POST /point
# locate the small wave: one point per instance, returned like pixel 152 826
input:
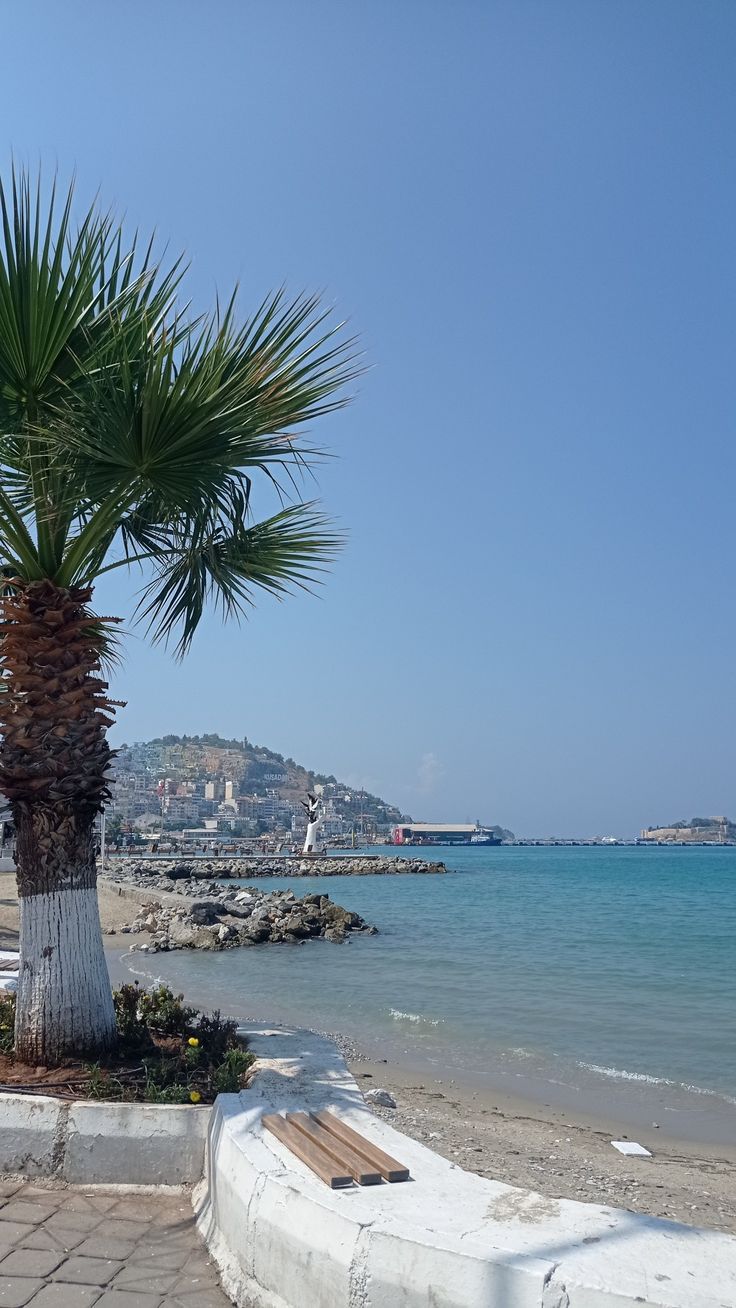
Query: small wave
pixel 398 1016
pixel 140 971
pixel 620 1074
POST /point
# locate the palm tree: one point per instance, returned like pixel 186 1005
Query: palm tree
pixel 129 438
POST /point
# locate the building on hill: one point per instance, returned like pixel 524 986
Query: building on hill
pixel 190 777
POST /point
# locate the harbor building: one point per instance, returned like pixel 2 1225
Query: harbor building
pixel 443 833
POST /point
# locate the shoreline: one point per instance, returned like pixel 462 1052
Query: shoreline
pixel 563 1156
pixel 527 1143
pixel 560 1152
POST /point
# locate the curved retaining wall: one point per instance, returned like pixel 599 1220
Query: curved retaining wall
pixel 445 1239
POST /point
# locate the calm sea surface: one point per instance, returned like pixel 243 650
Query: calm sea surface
pixel 580 976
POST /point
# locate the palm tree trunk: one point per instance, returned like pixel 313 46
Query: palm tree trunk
pixel 64 1003
pixel 53 764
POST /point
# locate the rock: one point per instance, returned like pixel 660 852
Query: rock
pixel 239 910
pixel 255 933
pixel 205 913
pixel 182 935
pixel 175 871
pixel 199 913
pixel 382 1097
pixel 336 933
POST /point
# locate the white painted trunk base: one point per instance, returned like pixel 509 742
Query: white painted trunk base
pixel 64 999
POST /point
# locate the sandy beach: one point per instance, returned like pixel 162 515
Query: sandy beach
pixel 116 910
pixel 539 1148
pixel 534 1146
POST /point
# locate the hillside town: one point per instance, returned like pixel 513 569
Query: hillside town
pixel 208 788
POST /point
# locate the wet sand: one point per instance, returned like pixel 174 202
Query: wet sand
pixel 544 1149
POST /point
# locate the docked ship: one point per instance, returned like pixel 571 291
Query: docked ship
pixel 443 833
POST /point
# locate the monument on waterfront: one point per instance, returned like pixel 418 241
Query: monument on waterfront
pixel 312 807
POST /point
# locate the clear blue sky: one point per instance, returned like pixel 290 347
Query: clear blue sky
pixel 527 210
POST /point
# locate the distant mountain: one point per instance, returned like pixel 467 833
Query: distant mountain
pixel 503 833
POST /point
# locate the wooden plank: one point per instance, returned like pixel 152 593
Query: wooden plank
pixel 375 1157
pixel 342 1154
pixel 307 1151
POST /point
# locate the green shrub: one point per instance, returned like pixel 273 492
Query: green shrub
pixel 139 1012
pixel 7 1021
pixel 101 1085
pixel 162 1010
pixel 229 1077
pixel 216 1034
pixel 162 1088
pixel 131 1028
pixel 168 1057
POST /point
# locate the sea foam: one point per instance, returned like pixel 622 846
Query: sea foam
pixel 620 1074
pixel 398 1016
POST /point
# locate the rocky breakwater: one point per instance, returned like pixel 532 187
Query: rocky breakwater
pixel 239 868
pixel 192 915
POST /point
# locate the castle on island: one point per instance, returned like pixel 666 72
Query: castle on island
pixel 710 831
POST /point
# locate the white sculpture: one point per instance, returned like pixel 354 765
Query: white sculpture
pixel 312 809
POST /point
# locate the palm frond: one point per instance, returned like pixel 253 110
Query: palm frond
pixel 284 552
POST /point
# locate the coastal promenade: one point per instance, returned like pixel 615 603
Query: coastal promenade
pixel 74 1248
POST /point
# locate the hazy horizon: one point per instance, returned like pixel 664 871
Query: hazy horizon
pixel 526 213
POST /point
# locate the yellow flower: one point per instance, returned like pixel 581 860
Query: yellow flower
pixel 195 1096
pixel 193 1041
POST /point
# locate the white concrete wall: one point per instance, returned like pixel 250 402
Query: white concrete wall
pixel 87 1143
pixel 446 1238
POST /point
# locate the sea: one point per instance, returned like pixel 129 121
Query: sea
pixel 598 981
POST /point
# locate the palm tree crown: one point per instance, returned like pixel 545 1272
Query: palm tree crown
pixel 130 434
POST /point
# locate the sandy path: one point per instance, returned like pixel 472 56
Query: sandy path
pixel 116 909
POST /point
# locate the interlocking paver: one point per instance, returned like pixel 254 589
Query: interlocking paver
pixel 162 1258
pixel 74 1202
pixel 124 1230
pixel 66 1296
pixel 71 1221
pixel 40 1237
pixel 16 1291
pixel 197 1299
pixel 124 1299
pixel 101 1245
pixel 48 1198
pixel 144 1280
pixel 30 1213
pixel 77 1249
pixel 11 1233
pixel 31 1262
pixel 87 1271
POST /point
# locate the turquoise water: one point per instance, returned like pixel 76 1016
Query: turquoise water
pixel 527 968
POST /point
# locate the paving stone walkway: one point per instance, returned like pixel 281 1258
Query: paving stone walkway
pixel 70 1248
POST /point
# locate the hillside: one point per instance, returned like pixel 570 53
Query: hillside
pixel 185 764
